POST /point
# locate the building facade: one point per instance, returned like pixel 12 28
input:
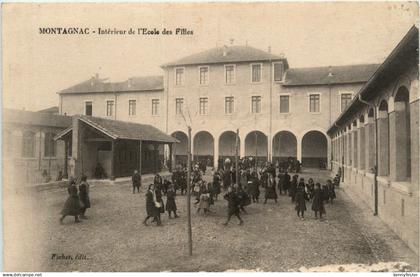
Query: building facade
pixel 280 112
pixel 375 142
pixel 30 154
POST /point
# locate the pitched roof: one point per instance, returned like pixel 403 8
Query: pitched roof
pixel 95 84
pixel 233 54
pixel 404 55
pixel 126 130
pixel 35 118
pixel 321 75
pixel 51 110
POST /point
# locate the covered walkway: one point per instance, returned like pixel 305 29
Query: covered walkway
pixel 102 148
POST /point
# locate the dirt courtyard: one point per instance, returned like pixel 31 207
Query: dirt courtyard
pixel 272 238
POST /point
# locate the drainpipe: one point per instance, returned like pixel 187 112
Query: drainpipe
pixel 375 170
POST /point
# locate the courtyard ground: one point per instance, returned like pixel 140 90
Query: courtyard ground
pixel 272 238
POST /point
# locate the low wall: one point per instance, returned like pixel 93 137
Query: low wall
pixel 398 202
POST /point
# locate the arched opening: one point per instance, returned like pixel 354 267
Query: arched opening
pixel 383 139
pixel 284 146
pixel 227 145
pixel 402 133
pixel 256 145
pixel 314 150
pixel 180 150
pixel 203 148
pixel 362 142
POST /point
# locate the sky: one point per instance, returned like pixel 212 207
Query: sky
pixel 35 66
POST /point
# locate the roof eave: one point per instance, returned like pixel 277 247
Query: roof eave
pixel 380 70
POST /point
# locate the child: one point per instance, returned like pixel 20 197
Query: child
pixel 318 201
pixel 170 201
pixel 300 200
pixel 331 191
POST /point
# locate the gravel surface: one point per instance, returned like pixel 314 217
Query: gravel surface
pixel 113 237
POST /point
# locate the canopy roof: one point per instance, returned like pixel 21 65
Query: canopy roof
pixel 116 129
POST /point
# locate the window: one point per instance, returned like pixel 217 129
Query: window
pixel 256 104
pixel 179 76
pixel 179 105
pixel 49 145
pixel 204 75
pixel 256 73
pixel 131 107
pixel 155 106
pixel 314 103
pixel 229 104
pixel 345 100
pixel 88 108
pixel 284 103
pixel 109 107
pixel 204 101
pixel 278 70
pixel 229 74
pixel 28 145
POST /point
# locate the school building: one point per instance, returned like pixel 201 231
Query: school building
pixel 280 111
pixel 375 141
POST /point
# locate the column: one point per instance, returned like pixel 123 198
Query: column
pixel 414 115
pixel 66 149
pixel 171 158
pixel 348 143
pixel 398 161
pixel 242 147
pixel 354 146
pixel 299 148
pixel 269 148
pixel 140 157
pixel 361 146
pixel 76 167
pixel 369 144
pixel 216 152
pixel 113 160
pixel 383 143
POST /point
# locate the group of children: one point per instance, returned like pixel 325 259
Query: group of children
pixel 78 200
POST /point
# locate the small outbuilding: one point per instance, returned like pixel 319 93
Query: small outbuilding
pixel 104 148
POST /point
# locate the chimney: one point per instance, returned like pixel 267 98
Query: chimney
pixel 225 49
pixel 92 81
pixel 330 74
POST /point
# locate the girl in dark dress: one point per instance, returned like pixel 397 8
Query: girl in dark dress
pixel 151 209
pixel 310 186
pixel 300 199
pixel 233 206
pixel 270 190
pixel 170 201
pixel 318 202
pixel 293 187
pixel 286 183
pixel 253 187
pixel 72 205
pixel 324 193
pixel 216 185
pixel 331 191
pixel 84 197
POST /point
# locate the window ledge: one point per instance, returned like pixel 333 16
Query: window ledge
pixel 403 187
pixel 370 175
pixel 49 158
pixel 383 180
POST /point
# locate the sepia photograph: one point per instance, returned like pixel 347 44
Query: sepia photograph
pixel 210 137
